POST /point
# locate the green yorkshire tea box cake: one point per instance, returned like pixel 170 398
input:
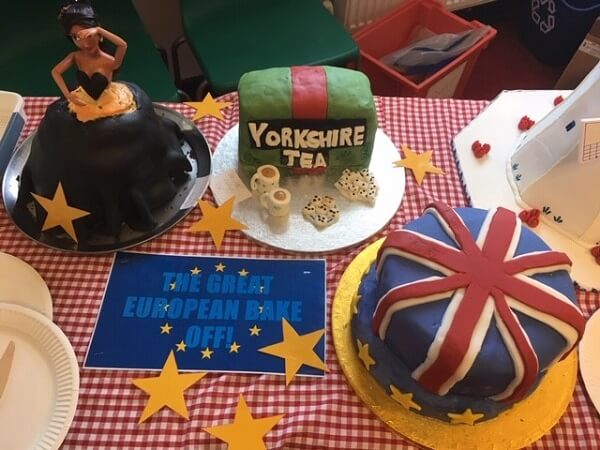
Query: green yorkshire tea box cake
pixel 306 119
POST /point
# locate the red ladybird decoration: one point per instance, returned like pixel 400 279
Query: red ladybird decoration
pixel 480 150
pixel 530 217
pixel 596 253
pixel 525 123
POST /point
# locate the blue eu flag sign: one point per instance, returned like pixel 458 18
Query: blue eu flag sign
pixel 214 313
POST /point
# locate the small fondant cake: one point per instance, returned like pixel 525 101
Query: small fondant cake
pixel 117 168
pixel 463 312
pixel 306 119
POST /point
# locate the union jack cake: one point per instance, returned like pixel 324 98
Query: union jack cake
pixel 463 312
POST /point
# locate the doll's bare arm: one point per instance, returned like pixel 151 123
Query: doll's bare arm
pixel 57 72
pixel 119 43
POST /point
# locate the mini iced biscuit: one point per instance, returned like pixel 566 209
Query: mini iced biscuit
pixel 321 211
pixel 357 186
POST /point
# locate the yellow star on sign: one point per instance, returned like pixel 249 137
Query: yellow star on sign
pixel 363 354
pixel 172 285
pixel 195 270
pixel 405 400
pixel 59 213
pixel 181 346
pixel 167 389
pixel 217 221
pixel 243 273
pixel 220 267
pixel 419 163
pixel 254 331
pixel 245 432
pixel 207 353
pixel 166 329
pixel 234 348
pixel 208 107
pixel 467 417
pixel 296 350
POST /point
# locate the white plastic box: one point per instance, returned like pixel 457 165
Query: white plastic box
pixel 12 120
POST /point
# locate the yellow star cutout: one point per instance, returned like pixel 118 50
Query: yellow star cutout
pixel 195 271
pixel 220 267
pixel 355 299
pixel 405 400
pixel 59 213
pixel 217 221
pixel 245 432
pixel 363 354
pixel 166 329
pixel 243 273
pixel 173 285
pixel 207 353
pixel 208 107
pixel 467 417
pixel 167 389
pixel 296 350
pixel 234 348
pixel 181 346
pixel 419 163
pixel 254 331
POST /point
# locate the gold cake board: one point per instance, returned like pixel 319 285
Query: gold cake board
pixel 524 423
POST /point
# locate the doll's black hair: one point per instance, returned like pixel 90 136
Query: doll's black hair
pixel 77 12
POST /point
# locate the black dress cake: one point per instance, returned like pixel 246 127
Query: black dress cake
pixel 118 168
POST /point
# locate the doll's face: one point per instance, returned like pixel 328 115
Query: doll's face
pixel 83 42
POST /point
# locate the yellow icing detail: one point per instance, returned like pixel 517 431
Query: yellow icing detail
pixel 355 299
pixel 405 399
pixel 116 99
pixel 468 417
pixel 363 354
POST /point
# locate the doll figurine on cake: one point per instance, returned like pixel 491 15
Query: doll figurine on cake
pixel 95 67
pixel 103 145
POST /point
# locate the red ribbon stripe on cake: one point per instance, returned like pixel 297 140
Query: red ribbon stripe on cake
pixel 309 92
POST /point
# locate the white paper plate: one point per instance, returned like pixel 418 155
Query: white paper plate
pixel 589 358
pixel 39 401
pixel 22 285
pixel 293 233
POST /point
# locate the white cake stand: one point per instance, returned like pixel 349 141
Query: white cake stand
pixel 358 221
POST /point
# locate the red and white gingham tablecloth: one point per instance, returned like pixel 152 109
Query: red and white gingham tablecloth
pixel 320 413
